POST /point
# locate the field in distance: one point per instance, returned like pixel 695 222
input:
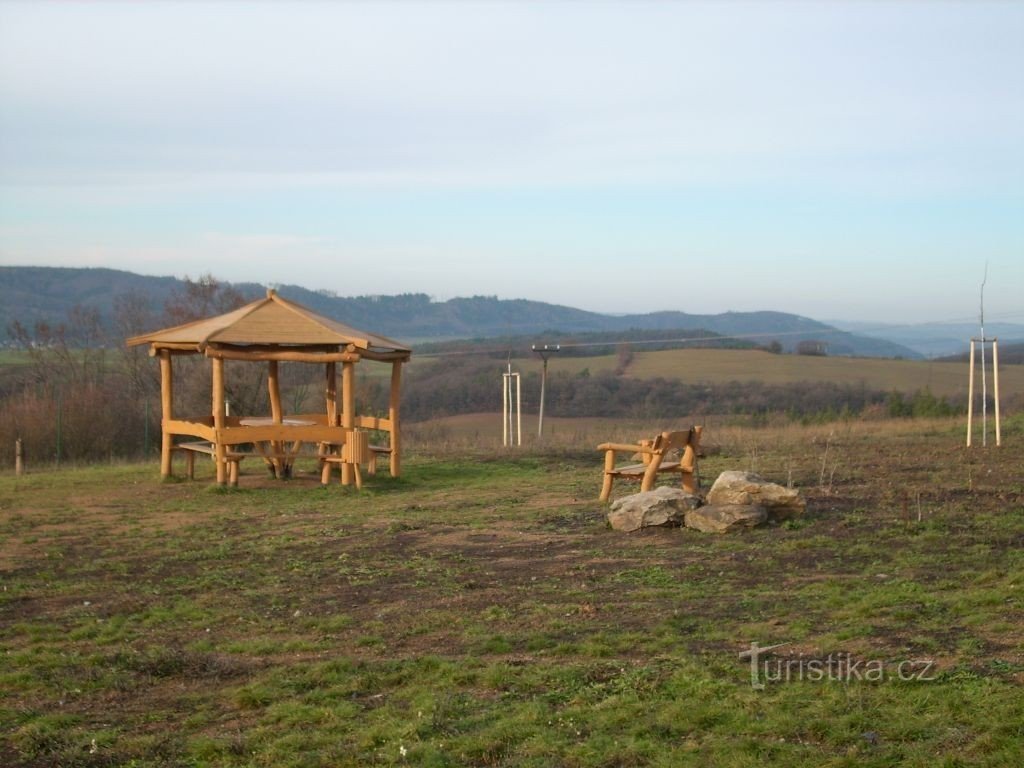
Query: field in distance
pixel 712 366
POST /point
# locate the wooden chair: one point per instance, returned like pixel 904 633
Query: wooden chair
pixel 653 460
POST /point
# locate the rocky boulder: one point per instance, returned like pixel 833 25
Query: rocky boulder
pixel 723 518
pixel 663 506
pixel 746 488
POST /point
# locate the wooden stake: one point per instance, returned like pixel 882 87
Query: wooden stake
pixel 970 395
pixel 348 411
pixel 393 416
pixel 167 408
pixel 218 419
pixel 19 458
pixel 995 383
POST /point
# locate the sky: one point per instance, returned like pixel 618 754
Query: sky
pixel 838 160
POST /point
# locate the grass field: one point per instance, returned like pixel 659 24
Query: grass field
pixel 713 366
pixel 478 612
pixel 716 366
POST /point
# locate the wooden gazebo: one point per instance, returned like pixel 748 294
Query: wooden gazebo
pixel 274 330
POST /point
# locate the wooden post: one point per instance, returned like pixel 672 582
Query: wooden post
pixel 218 419
pixel 970 395
pixel 543 386
pixel 331 393
pixel 995 383
pixel 167 412
pixel 609 467
pixel 274 389
pixel 393 416
pixel 19 458
pixel 348 412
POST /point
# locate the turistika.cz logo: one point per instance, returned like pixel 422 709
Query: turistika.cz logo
pixel 839 667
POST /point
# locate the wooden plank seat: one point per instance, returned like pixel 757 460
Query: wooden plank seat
pixel 190 449
pixel 654 460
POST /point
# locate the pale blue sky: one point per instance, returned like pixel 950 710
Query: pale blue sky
pixel 856 160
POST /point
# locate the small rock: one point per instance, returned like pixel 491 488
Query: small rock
pixel 723 518
pixel 663 506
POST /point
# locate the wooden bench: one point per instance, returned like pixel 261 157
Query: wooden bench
pixel 654 460
pixel 191 449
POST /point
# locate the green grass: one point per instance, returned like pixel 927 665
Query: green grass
pixel 478 611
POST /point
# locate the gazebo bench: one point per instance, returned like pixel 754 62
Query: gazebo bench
pixel 371 460
pixel 377 450
pixel 191 449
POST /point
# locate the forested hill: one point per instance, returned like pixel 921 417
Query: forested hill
pixel 31 294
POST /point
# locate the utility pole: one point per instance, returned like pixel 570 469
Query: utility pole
pixel 545 351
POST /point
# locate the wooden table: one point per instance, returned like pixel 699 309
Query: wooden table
pixel 278 456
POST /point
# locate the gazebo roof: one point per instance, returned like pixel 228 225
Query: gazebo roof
pixel 269 321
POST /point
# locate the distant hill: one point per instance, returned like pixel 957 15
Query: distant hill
pixel 31 294
pixel 1009 354
pixel 934 339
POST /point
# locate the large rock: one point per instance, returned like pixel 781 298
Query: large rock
pixel 746 488
pixel 722 518
pixel 662 506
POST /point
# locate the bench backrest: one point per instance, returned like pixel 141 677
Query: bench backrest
pixel 671 441
pixel 685 441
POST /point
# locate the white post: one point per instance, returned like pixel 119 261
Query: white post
pixel 984 395
pixel 519 410
pixel 995 382
pixel 970 395
pixel 505 410
pixel 511 421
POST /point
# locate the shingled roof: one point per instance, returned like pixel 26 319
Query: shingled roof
pixel 272 320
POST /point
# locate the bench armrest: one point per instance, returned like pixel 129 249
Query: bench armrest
pixel 624 447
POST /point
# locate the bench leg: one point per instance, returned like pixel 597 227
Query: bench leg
pixel 688 464
pixel 325 473
pixel 609 468
pixel 690 482
pixel 233 473
pixel 371 465
pixel 359 477
pixel 190 464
